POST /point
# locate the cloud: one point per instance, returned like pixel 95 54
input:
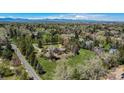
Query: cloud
pixel 2 17
pixel 64 16
pixel 79 17
pixel 12 17
pixel 73 16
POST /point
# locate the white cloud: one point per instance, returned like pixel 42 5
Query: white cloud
pixel 79 17
pixel 73 16
pixel 2 17
pixel 14 17
pixel 65 16
pixel 11 17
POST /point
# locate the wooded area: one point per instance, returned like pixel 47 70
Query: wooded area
pixel 65 51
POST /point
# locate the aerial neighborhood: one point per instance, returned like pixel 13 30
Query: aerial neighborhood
pixel 61 51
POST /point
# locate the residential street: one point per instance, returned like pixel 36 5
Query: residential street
pixel 27 66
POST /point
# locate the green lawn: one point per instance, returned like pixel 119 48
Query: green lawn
pixel 49 67
pixel 79 59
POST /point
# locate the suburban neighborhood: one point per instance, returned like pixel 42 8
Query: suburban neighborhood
pixel 62 50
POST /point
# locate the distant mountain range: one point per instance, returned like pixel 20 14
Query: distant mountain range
pixel 51 20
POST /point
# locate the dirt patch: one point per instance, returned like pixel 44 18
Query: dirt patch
pixel 115 73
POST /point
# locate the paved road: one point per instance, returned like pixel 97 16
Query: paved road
pixel 27 66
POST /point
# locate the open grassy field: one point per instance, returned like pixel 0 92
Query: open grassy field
pixel 80 59
pixel 50 66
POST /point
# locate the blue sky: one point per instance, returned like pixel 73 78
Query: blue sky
pixel 74 16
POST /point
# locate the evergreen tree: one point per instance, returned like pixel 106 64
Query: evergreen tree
pixel 40 44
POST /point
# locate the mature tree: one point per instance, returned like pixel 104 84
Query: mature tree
pixel 24 76
pixel 32 58
pixel 47 37
pixel 40 43
pixel 110 60
pixel 108 40
pixel 22 45
pixel 0 51
pixel 121 54
pixel 76 49
pixel 7 52
pixel 29 50
pixel 91 70
pixel 35 63
pixel 5 71
pixel 40 69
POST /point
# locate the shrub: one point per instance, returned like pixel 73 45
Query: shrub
pixel 62 72
pixel 91 70
pixel 110 60
pixel 5 71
